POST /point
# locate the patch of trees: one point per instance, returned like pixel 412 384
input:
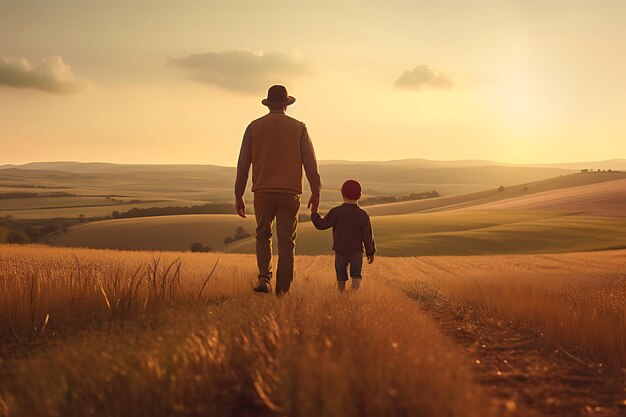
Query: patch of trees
pixel 17 237
pixel 116 200
pixel 200 248
pixel 17 195
pixel 211 208
pixel 240 233
pixel 590 171
pixel 395 199
pixel 32 230
pixel 30 186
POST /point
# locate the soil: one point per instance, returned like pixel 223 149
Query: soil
pixel 523 373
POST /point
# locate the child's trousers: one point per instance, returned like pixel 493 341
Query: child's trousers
pixel 354 261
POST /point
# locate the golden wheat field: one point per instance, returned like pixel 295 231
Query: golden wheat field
pixel 111 333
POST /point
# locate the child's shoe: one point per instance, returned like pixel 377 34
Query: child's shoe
pixel 341 285
pixel 356 283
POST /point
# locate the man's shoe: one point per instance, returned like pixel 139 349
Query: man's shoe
pixel 263 285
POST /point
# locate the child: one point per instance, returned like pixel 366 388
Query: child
pixel 352 230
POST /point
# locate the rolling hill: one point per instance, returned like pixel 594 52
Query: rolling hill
pixel 469 232
pixel 154 233
pixel 478 198
pixel 197 182
pixel 459 226
pixel 186 185
pixel 602 199
pixel 614 164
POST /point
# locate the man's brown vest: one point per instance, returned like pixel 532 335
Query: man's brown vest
pixel 276 154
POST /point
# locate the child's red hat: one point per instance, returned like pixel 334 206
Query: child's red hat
pixel 351 190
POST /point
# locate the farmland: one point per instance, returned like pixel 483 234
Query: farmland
pixel 454 202
pixel 603 199
pixel 442 233
pixel 99 189
pixel 138 333
pixel 155 233
pixel 479 232
pixel 572 213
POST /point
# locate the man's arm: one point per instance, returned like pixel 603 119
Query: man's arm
pixel 310 168
pixel 323 223
pixel 243 170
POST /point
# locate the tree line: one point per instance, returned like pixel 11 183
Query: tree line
pixel 31 230
pixel 370 201
pixel 211 208
pixel 17 195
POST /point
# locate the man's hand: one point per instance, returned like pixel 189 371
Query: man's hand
pixel 240 207
pixel 314 203
pixel 370 259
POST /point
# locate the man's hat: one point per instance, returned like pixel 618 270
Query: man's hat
pixel 277 96
pixel 351 190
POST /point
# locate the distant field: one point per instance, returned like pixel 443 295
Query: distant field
pixel 603 199
pixel 465 232
pixel 457 225
pixel 473 233
pixel 155 233
pixel 200 184
pixel 73 207
pixel 474 199
pixel 16 204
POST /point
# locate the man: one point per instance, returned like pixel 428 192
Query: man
pixel 277 146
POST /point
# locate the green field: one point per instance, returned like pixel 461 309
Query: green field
pixel 456 225
pixel 473 233
pixel 73 207
pixel 154 233
pixel 466 232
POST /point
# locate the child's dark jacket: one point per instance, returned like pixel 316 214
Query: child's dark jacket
pixel 352 229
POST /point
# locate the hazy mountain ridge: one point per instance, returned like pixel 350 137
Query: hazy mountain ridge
pixel 106 167
pixel 614 164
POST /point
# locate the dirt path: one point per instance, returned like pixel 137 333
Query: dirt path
pixel 524 375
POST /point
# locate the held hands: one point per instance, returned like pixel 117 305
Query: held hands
pixel 314 203
pixel 370 259
pixel 240 207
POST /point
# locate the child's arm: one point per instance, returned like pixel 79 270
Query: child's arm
pixel 323 223
pixel 367 236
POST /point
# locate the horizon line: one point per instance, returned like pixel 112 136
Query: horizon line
pixel 320 161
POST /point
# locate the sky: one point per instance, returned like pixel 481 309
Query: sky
pixel 161 81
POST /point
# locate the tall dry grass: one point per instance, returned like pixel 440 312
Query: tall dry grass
pixel 171 347
pixel 46 291
pixel 577 301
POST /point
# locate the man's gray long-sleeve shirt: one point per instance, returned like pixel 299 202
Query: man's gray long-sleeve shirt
pixel 309 161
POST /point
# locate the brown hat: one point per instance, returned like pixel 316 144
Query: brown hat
pixel 277 96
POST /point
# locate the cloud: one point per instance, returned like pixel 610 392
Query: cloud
pixel 50 74
pixel 423 77
pixel 243 71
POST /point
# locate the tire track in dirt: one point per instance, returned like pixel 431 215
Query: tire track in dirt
pixel 524 374
pixel 521 371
